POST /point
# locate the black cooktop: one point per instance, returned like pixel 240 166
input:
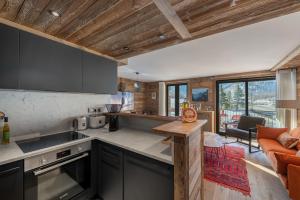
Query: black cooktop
pixel 49 140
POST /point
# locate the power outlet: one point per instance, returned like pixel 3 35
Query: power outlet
pixel 92 110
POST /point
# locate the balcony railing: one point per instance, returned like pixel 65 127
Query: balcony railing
pixel 233 116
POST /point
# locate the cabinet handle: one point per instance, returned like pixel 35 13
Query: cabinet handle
pixel 9 171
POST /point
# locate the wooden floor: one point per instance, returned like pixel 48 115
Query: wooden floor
pixel 264 183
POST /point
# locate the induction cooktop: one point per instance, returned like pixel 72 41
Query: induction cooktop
pixel 42 142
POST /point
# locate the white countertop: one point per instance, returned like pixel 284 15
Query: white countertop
pixel 141 142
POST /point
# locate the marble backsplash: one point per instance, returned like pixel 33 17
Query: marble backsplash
pixel 45 112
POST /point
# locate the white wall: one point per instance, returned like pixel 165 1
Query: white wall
pixel 45 112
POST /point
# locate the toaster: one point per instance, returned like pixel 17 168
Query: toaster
pixel 96 121
pixel 80 123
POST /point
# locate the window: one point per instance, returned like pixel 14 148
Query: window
pixel 176 94
pixel 256 97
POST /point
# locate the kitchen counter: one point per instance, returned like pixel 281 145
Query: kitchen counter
pixel 146 116
pixel 141 142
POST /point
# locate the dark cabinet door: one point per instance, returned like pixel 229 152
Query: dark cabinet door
pixel 99 74
pixel 111 172
pixel 11 181
pixel 48 65
pixel 146 178
pixel 9 57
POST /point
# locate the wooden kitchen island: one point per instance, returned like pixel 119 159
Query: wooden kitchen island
pixel 188 140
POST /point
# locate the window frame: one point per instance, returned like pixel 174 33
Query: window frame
pixel 177 105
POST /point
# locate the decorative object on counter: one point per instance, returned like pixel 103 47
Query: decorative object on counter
pixel 200 94
pixel 80 123
pixel 189 115
pixel 197 107
pixel 113 119
pixel 5 132
pixel 185 104
pixel 137 84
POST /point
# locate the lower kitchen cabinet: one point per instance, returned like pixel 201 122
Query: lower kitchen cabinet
pixel 147 179
pixel 11 181
pixel 124 175
pixel 110 174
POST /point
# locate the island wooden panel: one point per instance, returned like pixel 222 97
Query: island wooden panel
pixel 188 139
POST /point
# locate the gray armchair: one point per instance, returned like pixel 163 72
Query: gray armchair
pixel 246 129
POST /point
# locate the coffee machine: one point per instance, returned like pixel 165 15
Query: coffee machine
pixel 113 120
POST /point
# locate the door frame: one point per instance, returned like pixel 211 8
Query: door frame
pixel 246 81
pixel 177 106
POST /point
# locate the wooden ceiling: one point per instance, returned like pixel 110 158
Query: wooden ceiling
pixel 125 28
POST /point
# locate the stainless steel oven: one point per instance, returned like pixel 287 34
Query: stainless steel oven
pixel 58 175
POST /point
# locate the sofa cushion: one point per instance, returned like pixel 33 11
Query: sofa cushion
pixel 269 133
pixel 283 160
pixel 288 141
pixel 296 133
pixel 272 145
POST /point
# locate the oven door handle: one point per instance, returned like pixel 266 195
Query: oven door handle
pixel 41 171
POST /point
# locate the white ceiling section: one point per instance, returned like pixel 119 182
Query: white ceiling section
pixel 251 48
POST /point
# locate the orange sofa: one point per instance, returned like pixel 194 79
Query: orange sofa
pixel 283 160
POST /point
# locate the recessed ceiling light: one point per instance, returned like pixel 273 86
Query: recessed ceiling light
pixel 54 13
pixel 126 48
pixel 162 36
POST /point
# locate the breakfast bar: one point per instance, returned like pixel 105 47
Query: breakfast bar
pixel 188 150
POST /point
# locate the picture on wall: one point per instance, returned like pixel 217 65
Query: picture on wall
pixel 128 100
pixel 200 94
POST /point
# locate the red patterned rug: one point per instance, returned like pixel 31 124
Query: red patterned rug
pixel 229 171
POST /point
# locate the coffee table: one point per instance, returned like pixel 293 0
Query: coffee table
pixel 216 143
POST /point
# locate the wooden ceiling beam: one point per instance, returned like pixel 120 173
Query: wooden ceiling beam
pixel 169 12
pixel 283 62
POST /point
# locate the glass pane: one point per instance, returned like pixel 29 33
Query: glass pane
pixel 182 96
pixel 171 100
pixel 231 103
pixel 262 100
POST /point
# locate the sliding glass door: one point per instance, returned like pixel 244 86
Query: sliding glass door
pixel 245 97
pixel 262 100
pixel 176 94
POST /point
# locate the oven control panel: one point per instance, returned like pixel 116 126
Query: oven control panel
pixel 63 154
pixel 53 156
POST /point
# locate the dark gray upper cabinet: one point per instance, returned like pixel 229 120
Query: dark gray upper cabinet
pixel 48 65
pixel 9 57
pixel 99 74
